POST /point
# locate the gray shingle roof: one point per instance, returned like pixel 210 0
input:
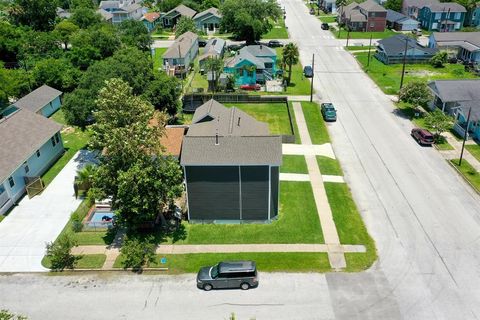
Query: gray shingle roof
pixel 456 90
pixel 394 46
pixel 241 138
pixel 253 54
pixel 372 6
pixel 38 98
pixel 23 133
pixel 213 11
pixel 181 46
pixel 395 16
pixel 446 6
pixel 456 38
pixel 260 51
pixel 183 11
pixel 215 45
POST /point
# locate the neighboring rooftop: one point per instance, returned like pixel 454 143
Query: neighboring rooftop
pixel 256 54
pixel 181 46
pixel 228 136
pixel 395 45
pixel 215 45
pixel 38 98
pixel 457 38
pixel 213 11
pixel 435 5
pixel 151 16
pixel 372 6
pixel 456 90
pixel 172 140
pixel 183 11
pixel 23 133
pixel 395 16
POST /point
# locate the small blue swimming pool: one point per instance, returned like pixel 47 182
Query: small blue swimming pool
pixel 102 216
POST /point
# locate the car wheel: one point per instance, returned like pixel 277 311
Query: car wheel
pixel 207 287
pixel 245 286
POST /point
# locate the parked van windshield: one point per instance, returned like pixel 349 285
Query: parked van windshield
pixel 214 271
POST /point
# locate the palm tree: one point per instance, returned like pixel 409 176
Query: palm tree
pixel 84 178
pixel 290 57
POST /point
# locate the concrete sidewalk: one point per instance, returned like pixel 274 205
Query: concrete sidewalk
pixel 304 149
pixel 330 234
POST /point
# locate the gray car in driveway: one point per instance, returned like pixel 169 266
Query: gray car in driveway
pixel 228 275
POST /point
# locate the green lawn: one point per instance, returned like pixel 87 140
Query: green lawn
pixel 387 77
pixel 352 48
pixel 74 139
pixel 2 217
pixel 157 58
pixel 87 261
pixel 184 118
pixel 299 85
pixel 294 122
pixel 87 237
pixel 329 166
pixel 278 31
pixel 266 261
pixel 363 35
pixel 316 125
pixel 468 172
pixel 297 223
pixel 474 149
pixel 350 226
pixel 275 114
pixel 294 164
pixel 328 19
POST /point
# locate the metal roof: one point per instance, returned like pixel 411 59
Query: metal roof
pixel 38 98
pixel 228 136
pixel 23 133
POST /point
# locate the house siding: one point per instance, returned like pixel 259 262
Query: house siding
pixel 37 166
pixel 51 107
pixel 434 21
pixel 233 193
pixel 210 21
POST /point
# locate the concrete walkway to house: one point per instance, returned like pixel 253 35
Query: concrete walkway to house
pixel 455 154
pixel 34 222
pixel 306 177
pixel 311 150
pixel 330 234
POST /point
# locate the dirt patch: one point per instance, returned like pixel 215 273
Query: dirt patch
pixel 423 73
pixel 67 130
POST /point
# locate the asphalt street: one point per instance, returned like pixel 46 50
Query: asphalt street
pixel 423 217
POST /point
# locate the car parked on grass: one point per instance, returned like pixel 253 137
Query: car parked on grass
pixel 325 26
pixel 274 44
pixel 422 136
pixel 328 111
pixel 228 275
pixel 308 72
pixel 251 87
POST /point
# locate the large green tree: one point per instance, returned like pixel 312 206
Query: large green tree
pixel 78 107
pixel 141 182
pixel 133 33
pixel 249 20
pixel 185 24
pixel 395 5
pixel 57 73
pixel 14 83
pixel 85 17
pixel 438 122
pixel 37 14
pixel 290 57
pixel 64 29
pixel 164 93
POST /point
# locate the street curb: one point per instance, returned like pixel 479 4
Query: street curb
pixel 464 178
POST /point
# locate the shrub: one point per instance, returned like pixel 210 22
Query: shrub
pixel 439 59
pixel 138 252
pixel 416 93
pixel 59 253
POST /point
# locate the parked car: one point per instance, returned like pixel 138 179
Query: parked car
pixel 228 274
pixel 235 47
pixel 422 136
pixel 312 11
pixel 325 26
pixel 328 112
pixel 251 87
pixel 202 43
pixel 417 31
pixel 274 44
pixel 308 72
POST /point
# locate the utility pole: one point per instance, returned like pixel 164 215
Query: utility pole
pixel 465 137
pixel 404 61
pixel 369 49
pixel 313 75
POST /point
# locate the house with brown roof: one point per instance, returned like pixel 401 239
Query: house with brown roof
pixel 179 56
pixel 231 166
pixel 366 16
pixel 150 20
pixel 170 19
pixel 30 144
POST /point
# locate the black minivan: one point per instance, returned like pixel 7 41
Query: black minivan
pixel 227 275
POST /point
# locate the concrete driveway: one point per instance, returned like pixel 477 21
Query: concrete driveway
pixel 34 222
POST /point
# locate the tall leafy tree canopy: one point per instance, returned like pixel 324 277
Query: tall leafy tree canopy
pixel 37 14
pixel 133 33
pixel 395 5
pixel 249 20
pixel 185 24
pixel 164 93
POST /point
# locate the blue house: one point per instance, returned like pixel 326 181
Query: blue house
pixel 44 100
pixel 252 64
pixel 30 144
pixel 456 97
pixel 208 21
pixel 443 17
pixel 150 20
pixel 473 17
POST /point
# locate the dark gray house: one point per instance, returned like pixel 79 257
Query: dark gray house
pixel 400 22
pixel 231 166
pixel 392 50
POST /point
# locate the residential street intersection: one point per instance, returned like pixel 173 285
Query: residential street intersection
pixel 424 218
